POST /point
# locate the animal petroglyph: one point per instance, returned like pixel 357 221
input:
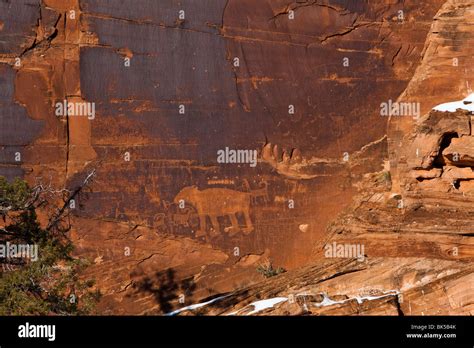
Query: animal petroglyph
pixel 174 218
pixel 218 202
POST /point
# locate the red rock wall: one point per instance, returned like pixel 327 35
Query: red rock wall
pixel 81 56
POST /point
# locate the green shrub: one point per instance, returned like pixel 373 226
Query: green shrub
pixel 268 271
pixel 49 285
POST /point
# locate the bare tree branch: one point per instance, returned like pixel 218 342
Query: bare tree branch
pixel 56 218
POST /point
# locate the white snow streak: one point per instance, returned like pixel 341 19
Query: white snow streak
pixel 465 104
pixel 261 305
pixel 195 306
pixel 328 302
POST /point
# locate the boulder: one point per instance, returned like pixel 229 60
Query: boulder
pixel 460 152
pixel 456 173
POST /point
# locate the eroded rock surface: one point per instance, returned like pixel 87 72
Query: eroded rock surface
pixel 174 82
pixel 405 254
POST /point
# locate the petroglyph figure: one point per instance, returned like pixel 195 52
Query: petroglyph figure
pixel 159 220
pixel 218 202
pixel 175 217
pixel 256 194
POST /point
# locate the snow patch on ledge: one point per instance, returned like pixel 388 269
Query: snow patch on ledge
pixel 264 304
pixel 328 302
pixel 195 306
pixel 465 104
pixel 261 305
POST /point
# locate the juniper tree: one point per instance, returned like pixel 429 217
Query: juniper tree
pixel 51 284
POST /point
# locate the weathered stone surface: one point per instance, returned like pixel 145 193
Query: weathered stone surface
pixel 146 154
pixel 433 134
pixel 444 74
pixel 467 187
pixel 17 21
pixel 460 151
pixel 416 232
pixel 454 173
pixel 426 174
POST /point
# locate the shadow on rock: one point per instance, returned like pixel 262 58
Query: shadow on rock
pixel 166 290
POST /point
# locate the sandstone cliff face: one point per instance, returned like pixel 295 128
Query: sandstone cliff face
pixel 300 82
pixel 405 254
pixel 444 74
pixel 412 241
